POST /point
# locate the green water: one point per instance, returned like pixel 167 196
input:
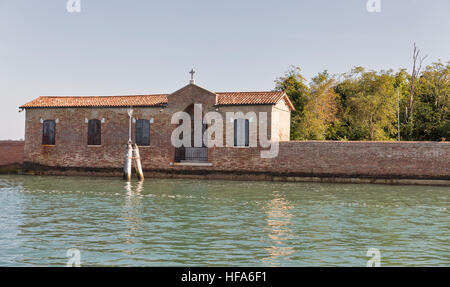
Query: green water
pixel 167 222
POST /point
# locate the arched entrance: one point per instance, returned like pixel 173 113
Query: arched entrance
pixel 192 154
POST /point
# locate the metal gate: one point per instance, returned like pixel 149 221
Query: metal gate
pixel 191 154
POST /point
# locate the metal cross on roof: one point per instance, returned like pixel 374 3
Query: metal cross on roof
pixel 192 72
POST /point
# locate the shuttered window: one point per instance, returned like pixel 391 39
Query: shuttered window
pixel 94 132
pixel 241 132
pixel 48 134
pixel 143 132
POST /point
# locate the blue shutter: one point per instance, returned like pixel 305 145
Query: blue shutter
pixel 143 132
pixel 146 133
pixel 139 132
pixel 94 132
pixel 48 132
pixel 247 124
pixel 235 133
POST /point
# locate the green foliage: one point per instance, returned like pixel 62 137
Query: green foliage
pixel 368 102
pixel 320 109
pixel 432 105
pixel 362 105
pixel 293 83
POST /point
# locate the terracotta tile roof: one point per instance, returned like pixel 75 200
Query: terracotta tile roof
pixel 253 98
pixel 249 98
pixel 230 98
pixel 108 101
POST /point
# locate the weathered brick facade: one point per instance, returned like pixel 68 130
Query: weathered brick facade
pixel 11 156
pixel 309 160
pixel 11 152
pixel 71 148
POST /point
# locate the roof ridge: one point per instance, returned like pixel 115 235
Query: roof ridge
pixel 160 94
pixel 146 95
pixel 223 98
pixel 248 92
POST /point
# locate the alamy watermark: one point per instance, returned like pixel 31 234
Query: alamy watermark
pixel 74 256
pixel 241 130
pixel 73 6
pixel 375 257
pixel 373 6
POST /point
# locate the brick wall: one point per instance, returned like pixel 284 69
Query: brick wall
pixel 420 160
pixel 343 159
pixel 11 152
pixel 416 160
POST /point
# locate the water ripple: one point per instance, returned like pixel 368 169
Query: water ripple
pixel 219 223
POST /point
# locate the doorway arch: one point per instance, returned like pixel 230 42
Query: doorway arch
pixel 192 154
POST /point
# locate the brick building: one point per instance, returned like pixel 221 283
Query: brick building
pixel 91 132
pixel 88 135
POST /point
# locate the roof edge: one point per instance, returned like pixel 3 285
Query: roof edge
pixel 282 96
pixel 195 85
pixel 99 107
pixel 288 101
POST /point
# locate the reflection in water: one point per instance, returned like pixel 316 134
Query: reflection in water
pixel 169 222
pixel 279 223
pixel 132 213
pixel 137 189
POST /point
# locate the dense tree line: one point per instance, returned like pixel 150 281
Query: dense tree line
pixel 363 105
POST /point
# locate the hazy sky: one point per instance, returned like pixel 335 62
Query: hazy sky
pixel 120 47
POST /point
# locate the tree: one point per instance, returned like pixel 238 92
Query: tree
pixel 417 67
pixel 432 116
pixel 320 109
pixel 368 105
pixel 362 105
pixel 293 83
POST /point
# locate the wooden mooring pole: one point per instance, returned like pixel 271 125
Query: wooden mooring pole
pixel 128 162
pixel 137 163
pixel 132 152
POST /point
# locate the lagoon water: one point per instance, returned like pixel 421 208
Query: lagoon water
pixel 174 222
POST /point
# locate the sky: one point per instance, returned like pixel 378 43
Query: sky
pixel 126 47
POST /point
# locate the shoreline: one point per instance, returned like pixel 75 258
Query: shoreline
pixel 238 175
